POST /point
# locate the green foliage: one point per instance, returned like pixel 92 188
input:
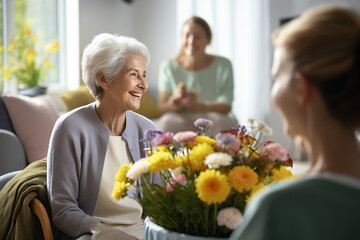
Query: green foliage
pixel 182 211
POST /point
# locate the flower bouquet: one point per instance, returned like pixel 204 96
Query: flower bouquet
pixel 204 182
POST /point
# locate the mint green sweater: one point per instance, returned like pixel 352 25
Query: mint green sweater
pixel 313 208
pixel 214 83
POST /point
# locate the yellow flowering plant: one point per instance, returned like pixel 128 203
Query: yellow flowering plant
pixel 204 182
pixel 23 60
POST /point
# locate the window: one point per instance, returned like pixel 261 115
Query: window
pixel 31 33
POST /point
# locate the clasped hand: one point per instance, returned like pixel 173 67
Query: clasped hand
pixel 182 98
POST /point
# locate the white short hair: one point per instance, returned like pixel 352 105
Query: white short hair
pixel 107 53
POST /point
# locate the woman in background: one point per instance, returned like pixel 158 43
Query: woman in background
pixel 90 143
pixel 195 84
pixel 316 74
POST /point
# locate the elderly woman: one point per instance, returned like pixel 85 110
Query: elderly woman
pixel 89 144
pixel 316 74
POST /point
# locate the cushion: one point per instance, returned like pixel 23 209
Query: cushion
pixel 76 98
pixel 148 106
pixel 33 119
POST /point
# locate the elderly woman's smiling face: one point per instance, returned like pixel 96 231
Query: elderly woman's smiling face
pixel 126 90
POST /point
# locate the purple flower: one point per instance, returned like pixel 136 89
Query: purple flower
pixel 151 133
pixel 225 139
pixel 203 123
pixel 238 130
pixel 163 139
pixel 228 142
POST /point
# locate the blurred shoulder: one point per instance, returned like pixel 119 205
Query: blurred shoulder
pixel 168 63
pixel 223 60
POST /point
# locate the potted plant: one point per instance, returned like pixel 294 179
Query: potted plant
pixel 25 64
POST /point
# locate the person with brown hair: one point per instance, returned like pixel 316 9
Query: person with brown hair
pixel 195 84
pixel 316 72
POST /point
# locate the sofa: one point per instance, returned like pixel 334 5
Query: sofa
pixel 26 122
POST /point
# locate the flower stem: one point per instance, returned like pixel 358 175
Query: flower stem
pixel 214 219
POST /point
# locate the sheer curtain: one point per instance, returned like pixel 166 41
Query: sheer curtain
pixel 240 33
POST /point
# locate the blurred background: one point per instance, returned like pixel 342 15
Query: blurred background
pixel 241 32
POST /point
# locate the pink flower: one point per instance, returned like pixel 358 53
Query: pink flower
pixel 184 137
pixel 169 187
pixel 180 179
pixel 163 139
pixel 229 217
pixel 273 151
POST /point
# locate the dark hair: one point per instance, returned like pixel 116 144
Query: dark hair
pixel 324 44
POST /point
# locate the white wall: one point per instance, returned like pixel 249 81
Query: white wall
pixel 151 22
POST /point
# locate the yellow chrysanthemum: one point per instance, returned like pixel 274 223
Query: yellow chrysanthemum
pixel 242 178
pixel 162 149
pixel 203 139
pixel 281 173
pixel 161 161
pixel 121 173
pixel 212 187
pixel 182 161
pixel 198 155
pixel 119 189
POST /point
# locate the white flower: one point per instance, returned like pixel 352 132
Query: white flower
pixel 244 153
pixel 229 217
pixel 140 167
pixel 260 126
pixel 264 129
pixel 215 160
pixel 267 131
pixel 177 172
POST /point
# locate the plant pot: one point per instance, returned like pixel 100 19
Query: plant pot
pixel 33 91
pixel 154 231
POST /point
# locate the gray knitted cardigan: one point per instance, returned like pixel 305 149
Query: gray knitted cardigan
pixel 75 162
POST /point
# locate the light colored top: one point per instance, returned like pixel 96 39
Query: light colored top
pixel 108 210
pixel 214 83
pixel 319 206
pixel 76 157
